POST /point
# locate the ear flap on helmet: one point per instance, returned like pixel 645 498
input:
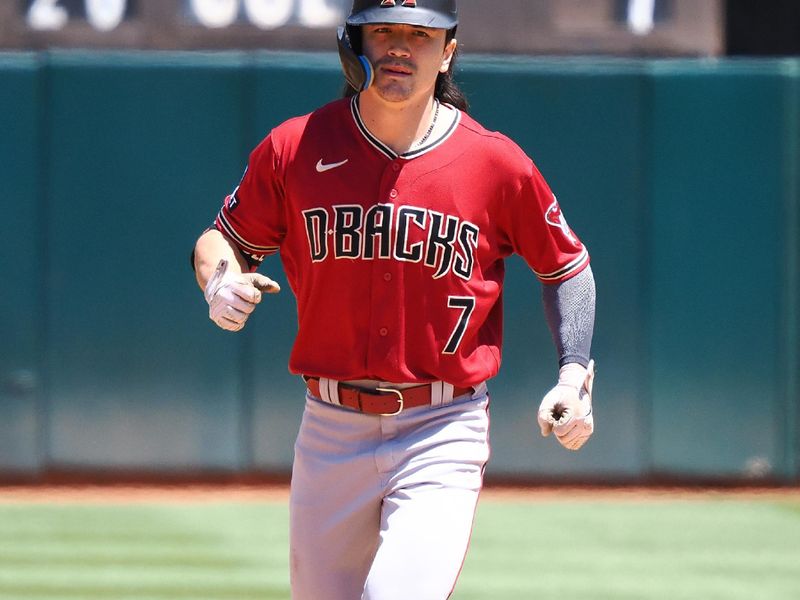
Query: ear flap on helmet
pixel 357 69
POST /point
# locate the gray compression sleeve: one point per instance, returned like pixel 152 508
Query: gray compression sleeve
pixel 569 309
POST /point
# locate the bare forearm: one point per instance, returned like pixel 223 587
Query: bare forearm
pixel 209 250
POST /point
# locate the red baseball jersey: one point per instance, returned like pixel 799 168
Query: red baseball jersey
pixel 396 261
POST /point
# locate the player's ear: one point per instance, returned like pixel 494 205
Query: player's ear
pixel 449 52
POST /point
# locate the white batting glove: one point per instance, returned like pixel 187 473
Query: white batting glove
pixel 566 410
pixel 232 297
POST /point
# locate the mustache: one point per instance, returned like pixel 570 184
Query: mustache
pixel 395 63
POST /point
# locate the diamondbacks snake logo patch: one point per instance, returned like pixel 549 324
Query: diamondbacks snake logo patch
pixel 555 218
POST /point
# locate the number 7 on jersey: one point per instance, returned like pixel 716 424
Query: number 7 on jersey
pixel 467 305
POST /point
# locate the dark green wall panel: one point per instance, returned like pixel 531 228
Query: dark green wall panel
pixel 791 307
pixel 22 294
pixel 718 264
pixel 143 151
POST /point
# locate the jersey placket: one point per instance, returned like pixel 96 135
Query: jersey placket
pixel 386 318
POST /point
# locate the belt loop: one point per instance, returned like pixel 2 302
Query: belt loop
pixel 446 394
pixel 437 392
pixel 480 390
pixel 329 391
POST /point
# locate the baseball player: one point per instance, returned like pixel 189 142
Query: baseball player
pixel 393 211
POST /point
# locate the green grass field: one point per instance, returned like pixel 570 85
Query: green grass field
pixel 702 548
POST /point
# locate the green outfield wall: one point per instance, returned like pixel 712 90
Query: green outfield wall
pixel 682 177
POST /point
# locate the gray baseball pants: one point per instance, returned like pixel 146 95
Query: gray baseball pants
pixel 382 507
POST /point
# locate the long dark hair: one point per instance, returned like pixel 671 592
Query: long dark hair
pixel 446 89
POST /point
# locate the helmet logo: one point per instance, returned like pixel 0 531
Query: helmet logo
pixel 411 3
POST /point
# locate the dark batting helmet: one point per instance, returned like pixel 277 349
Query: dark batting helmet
pixel 437 14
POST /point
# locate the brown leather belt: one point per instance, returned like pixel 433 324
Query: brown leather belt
pixel 386 402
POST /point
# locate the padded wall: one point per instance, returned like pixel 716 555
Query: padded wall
pixel 680 176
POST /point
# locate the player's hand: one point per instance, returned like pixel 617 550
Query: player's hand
pixel 566 410
pixel 232 297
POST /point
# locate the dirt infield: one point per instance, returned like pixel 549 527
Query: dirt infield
pixel 279 493
pixel 127 494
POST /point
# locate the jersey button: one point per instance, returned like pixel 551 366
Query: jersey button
pixel 384 332
pixel 393 194
pixel 395 167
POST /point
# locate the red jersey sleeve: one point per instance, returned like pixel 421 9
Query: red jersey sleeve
pixel 254 215
pixel 537 231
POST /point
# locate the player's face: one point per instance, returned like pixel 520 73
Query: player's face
pixel 407 59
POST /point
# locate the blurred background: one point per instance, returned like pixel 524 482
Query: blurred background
pixel 669 129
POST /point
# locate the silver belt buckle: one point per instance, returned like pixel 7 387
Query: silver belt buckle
pixel 400 401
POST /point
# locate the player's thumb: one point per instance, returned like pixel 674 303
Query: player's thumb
pixel 262 283
pixel 544 424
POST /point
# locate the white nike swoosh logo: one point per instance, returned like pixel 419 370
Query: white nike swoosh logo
pixel 321 168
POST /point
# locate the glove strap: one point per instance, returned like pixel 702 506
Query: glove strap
pixel 572 375
pixel 212 287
